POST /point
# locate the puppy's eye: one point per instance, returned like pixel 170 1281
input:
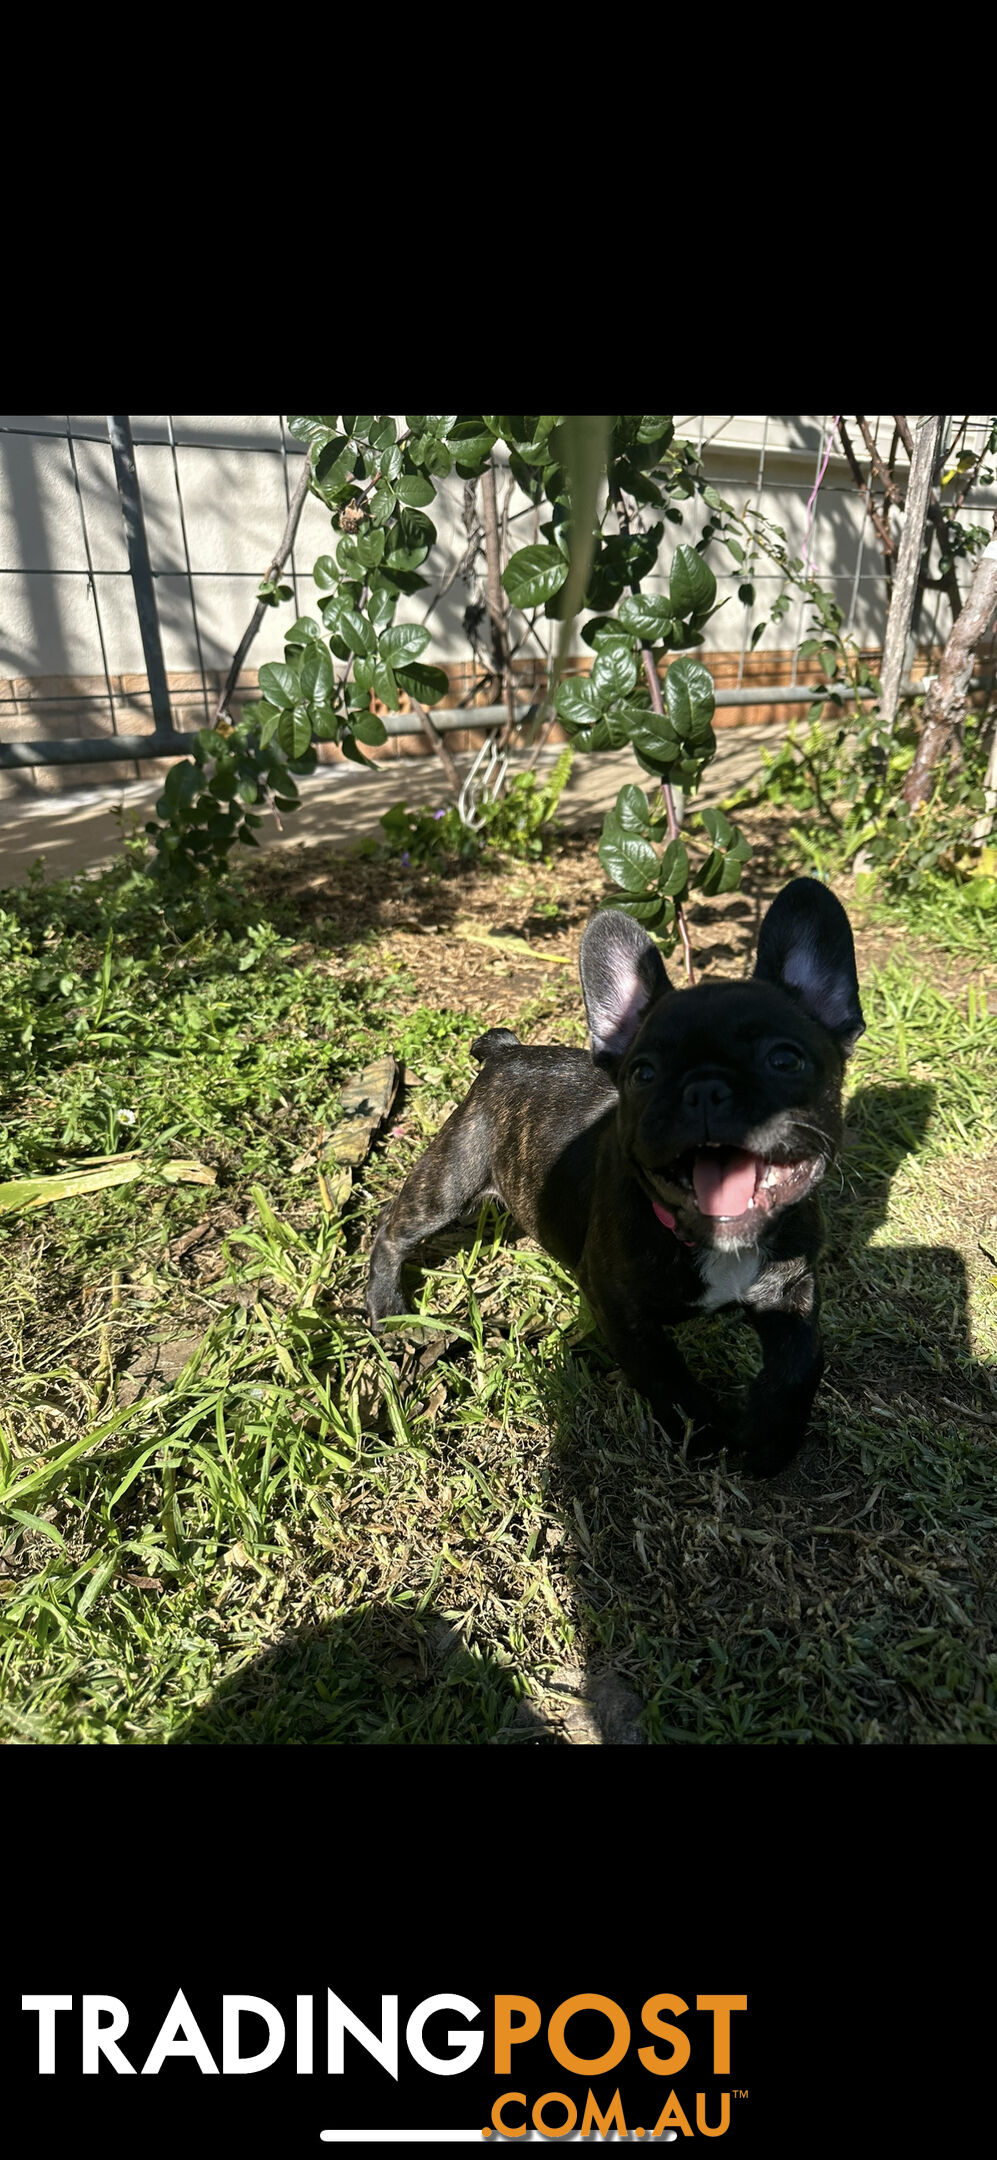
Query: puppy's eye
pixel 641 1074
pixel 785 1059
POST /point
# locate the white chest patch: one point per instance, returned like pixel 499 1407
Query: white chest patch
pixel 726 1277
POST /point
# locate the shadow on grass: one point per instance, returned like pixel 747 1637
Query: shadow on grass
pixel 336 899
pixel 381 1676
pixel 848 1599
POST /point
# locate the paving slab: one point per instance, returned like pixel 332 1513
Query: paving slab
pixel 339 804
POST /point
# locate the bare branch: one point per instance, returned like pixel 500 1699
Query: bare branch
pixel 286 544
pixel 437 745
pixel 497 603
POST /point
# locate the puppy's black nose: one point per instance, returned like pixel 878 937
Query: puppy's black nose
pixel 707 1091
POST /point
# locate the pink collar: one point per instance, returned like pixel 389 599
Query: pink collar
pixel 669 1221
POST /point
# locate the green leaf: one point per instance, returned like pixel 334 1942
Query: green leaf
pixel 348 560
pixel 403 581
pixel 692 586
pixel 326 573
pixel 334 466
pixel 640 554
pixel 414 490
pixel 652 912
pixel 434 458
pixel 631 810
pixel 381 604
pixel 610 733
pixel 410 542
pixel 673 874
pixel 607 577
pixel 352 627
pixel 646 613
pixel 385 687
pixel 629 861
pixel 577 701
pixel 370 729
pixel 381 506
pixel 350 749
pixel 604 631
pixel 405 642
pixel 534 575
pixel 689 698
pixel 637 483
pixel 709 873
pixel 269 724
pixel 302 631
pixel 657 753
pixel 370 548
pixel 279 684
pixel 471 444
pixel 312 427
pixel 181 784
pixel 294 732
pixel 428 684
pixel 653 426
pixel 316 675
pixel 614 670
pixel 720 829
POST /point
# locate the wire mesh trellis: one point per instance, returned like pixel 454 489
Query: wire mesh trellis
pixel 27 691
pixel 754 459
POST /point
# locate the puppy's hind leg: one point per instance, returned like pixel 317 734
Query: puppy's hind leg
pixel 454 1172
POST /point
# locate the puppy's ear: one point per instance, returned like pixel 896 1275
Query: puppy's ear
pixel 806 947
pixel 622 975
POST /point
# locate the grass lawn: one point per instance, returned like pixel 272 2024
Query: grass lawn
pixel 228 1514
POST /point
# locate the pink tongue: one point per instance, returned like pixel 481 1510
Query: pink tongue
pixel 724 1182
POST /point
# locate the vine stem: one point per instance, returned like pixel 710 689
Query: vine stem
pixel 654 685
pixel 497 605
pixel 286 544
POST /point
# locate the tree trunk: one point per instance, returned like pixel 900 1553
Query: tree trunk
pixel 924 451
pixel 946 700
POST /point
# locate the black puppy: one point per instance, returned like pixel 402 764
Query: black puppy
pixel 673 1171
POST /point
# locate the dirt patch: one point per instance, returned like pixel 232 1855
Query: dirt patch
pixel 444 927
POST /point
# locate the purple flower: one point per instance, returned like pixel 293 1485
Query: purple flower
pixel 439 813
pixel 406 860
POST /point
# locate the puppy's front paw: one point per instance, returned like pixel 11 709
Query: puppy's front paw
pixel 384 1309
pixel 705 1437
pixel 762 1455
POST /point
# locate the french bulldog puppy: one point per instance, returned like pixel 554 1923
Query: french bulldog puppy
pixel 674 1170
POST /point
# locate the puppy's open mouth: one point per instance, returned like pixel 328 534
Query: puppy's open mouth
pixel 728 1183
